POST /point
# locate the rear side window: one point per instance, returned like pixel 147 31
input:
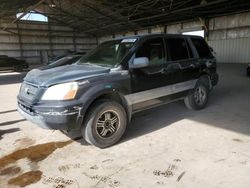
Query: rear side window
pixel 177 47
pixel 201 47
pixel 153 49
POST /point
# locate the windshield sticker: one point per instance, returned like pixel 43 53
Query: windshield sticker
pixel 128 40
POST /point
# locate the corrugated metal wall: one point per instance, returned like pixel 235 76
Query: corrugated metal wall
pixel 228 35
pixel 232 50
pixel 35 41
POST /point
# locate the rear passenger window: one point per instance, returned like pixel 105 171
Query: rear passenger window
pixel 153 49
pixel 201 47
pixel 190 52
pixel 177 48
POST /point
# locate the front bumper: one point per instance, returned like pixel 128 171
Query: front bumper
pixel 65 119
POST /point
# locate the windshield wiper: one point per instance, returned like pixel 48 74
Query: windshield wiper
pixel 95 64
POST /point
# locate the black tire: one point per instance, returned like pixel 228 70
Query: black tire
pixel 94 133
pixel 248 73
pixel 198 97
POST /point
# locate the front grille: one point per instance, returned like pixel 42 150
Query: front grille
pixel 26 109
pixel 28 91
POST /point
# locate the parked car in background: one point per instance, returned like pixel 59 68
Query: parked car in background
pixel 248 69
pixel 64 60
pixel 99 94
pixel 10 63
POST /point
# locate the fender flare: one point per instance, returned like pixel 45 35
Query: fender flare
pixel 93 93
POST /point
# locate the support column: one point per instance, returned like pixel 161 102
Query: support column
pixel 206 29
pixel 74 40
pixel 50 39
pixel 19 39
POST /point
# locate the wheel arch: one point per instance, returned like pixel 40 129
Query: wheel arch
pixel 204 76
pixel 108 95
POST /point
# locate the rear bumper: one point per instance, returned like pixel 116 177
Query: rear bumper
pixel 67 119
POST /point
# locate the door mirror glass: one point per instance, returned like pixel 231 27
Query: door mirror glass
pixel 140 62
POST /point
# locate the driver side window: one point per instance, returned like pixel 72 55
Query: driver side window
pixel 153 49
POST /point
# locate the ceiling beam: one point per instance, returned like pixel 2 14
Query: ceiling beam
pixel 30 8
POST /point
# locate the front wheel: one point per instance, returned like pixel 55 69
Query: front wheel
pixel 197 98
pixel 105 124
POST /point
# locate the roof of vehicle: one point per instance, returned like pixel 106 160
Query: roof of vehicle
pixel 155 35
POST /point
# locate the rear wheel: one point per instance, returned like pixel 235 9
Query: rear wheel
pixel 105 124
pixel 197 98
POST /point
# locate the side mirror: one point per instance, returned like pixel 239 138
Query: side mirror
pixel 140 62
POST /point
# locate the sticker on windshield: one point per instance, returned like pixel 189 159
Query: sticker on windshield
pixel 128 40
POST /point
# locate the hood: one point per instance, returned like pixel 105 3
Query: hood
pixel 64 74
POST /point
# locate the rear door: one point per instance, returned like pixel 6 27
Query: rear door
pixel 183 60
pixel 206 58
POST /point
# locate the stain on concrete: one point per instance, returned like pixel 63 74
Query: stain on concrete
pixel 57 181
pixel 220 160
pixel 94 167
pixel 104 180
pixel 66 167
pixel 107 160
pixel 177 160
pixel 34 153
pixel 237 140
pixel 60 186
pixel 160 183
pixel 243 162
pixel 26 178
pixel 24 142
pixel 180 176
pixel 167 173
pixel 11 171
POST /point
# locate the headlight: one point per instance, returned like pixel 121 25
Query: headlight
pixel 64 91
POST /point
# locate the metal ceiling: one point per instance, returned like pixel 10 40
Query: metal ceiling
pixel 100 17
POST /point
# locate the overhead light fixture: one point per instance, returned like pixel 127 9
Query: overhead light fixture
pixel 52 5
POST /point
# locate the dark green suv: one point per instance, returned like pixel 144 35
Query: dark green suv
pixel 99 94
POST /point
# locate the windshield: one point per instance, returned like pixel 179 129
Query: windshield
pixel 109 53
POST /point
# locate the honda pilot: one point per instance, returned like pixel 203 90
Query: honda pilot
pixel 99 94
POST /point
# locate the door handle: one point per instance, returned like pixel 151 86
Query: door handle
pixel 163 71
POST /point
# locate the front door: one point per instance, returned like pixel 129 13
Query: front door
pixel 148 83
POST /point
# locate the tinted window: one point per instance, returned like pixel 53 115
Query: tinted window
pixel 177 48
pixel 190 52
pixel 153 49
pixel 201 47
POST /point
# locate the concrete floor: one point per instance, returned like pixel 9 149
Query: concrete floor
pixel 170 146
